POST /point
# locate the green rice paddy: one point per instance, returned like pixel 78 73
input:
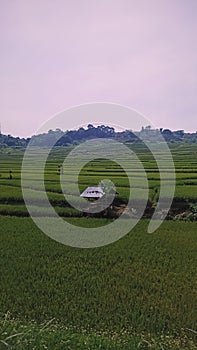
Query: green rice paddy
pixel 137 293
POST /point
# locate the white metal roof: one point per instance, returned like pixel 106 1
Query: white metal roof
pixel 93 192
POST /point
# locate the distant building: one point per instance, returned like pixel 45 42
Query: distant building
pixel 94 192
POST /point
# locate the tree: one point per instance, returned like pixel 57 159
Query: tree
pixel 90 126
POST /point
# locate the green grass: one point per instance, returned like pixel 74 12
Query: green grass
pixel 142 281
pixel 51 335
pixel 186 192
pixel 138 293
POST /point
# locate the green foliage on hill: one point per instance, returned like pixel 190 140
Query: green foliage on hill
pixel 69 137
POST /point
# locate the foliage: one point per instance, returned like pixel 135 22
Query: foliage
pixel 138 293
pixel 64 138
pixel 51 335
pixel 150 278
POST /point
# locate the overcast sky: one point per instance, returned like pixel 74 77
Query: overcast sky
pixel 56 54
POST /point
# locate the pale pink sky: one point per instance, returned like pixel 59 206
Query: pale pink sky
pixel 56 54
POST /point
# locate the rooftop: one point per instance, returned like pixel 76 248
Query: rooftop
pixel 93 192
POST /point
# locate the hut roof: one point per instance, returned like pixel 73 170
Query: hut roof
pixel 93 192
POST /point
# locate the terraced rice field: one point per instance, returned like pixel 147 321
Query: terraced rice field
pixel 92 174
pixel 138 293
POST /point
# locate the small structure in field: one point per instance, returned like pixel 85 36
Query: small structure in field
pixel 93 192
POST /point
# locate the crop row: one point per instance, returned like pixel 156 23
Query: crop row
pixel 140 282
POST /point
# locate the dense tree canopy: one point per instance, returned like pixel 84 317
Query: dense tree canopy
pixel 63 138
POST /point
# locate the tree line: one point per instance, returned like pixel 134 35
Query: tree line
pixel 69 137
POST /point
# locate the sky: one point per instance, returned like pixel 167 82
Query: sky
pixel 58 54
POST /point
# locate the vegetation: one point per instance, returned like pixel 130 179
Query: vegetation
pixel 183 208
pixel 64 138
pixel 51 335
pixel 151 279
pixel 138 293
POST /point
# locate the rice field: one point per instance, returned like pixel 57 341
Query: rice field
pixel 137 293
